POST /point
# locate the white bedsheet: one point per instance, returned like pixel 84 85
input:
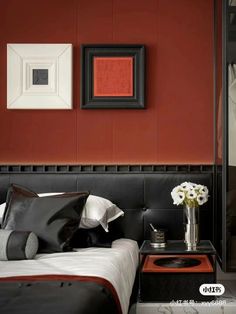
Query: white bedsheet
pixel 118 265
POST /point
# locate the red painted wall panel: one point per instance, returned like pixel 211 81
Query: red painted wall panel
pixel 176 127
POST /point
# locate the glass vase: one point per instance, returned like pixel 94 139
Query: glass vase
pixel 191 227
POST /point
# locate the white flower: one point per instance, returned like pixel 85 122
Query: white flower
pixel 176 189
pixel 186 186
pixel 199 186
pixel 194 185
pixel 201 199
pixel 178 197
pixel 191 195
pixel 203 190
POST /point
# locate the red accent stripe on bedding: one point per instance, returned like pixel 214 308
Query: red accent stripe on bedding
pixel 98 280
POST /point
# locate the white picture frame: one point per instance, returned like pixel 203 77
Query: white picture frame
pixel 39 76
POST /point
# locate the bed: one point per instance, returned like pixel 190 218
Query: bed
pixel 113 268
pixel 96 280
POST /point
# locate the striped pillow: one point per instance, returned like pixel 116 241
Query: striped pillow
pixel 17 245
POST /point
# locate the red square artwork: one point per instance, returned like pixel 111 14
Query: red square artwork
pixel 113 76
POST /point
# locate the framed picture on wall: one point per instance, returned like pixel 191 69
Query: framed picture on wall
pixel 112 76
pixel 39 76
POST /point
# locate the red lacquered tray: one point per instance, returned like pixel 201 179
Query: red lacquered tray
pixel 204 267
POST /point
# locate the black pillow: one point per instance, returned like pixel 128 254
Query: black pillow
pixel 96 237
pixel 17 245
pixel 54 219
pixel 22 190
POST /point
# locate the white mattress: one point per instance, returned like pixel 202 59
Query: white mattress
pixel 118 265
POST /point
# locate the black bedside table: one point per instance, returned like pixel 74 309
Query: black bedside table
pixel 161 283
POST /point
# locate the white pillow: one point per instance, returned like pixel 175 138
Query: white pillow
pixel 97 211
pixel 2 208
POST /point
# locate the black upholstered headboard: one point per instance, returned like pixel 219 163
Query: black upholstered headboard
pixel 143 192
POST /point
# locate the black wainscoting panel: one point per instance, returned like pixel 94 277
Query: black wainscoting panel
pixel 142 191
pixel 41 183
pixel 125 190
pixel 169 219
pixel 129 226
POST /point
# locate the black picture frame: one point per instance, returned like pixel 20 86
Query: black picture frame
pixel 88 100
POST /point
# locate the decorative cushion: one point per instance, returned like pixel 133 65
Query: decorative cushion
pixel 95 237
pixel 97 211
pixel 17 245
pixel 54 219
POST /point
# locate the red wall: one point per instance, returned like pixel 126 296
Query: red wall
pixel 176 127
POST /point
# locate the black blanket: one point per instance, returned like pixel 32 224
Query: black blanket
pixel 86 296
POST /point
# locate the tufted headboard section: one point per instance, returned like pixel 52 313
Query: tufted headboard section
pixel 143 192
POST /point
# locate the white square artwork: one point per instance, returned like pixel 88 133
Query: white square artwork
pixel 39 76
